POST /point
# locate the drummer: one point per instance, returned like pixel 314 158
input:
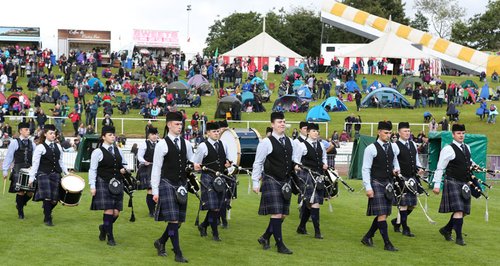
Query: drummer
pixel 145 158
pixel 46 169
pixel 20 151
pixel 106 170
pixel 312 154
pixel 211 154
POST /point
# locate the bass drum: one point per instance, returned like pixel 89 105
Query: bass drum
pixel 241 145
pixel 70 190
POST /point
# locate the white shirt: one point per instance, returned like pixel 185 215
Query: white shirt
pixel 9 158
pixel 202 151
pixel 370 153
pixel 264 148
pixel 446 155
pixel 37 154
pixel 95 158
pixel 142 151
pixel 301 150
pixel 160 151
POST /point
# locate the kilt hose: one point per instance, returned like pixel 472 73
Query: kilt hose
pixel 103 199
pixel 168 209
pixel 211 199
pixel 307 186
pixel 379 204
pixel 272 201
pixel 48 187
pixel 144 176
pixel 452 200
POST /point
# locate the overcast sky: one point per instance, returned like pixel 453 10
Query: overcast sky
pixel 120 17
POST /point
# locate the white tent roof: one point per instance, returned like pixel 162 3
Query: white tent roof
pixel 389 46
pixel 262 45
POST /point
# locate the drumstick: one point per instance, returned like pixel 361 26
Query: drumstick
pixel 4 184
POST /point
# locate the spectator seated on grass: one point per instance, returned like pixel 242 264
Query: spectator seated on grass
pixel 196 102
pixel 294 107
pixel 123 107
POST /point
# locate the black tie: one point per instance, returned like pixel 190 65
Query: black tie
pixel 408 145
pixel 176 141
pixel 216 144
pixel 25 142
pixel 282 140
pixel 52 146
pixel 463 148
pixel 315 145
pixel 386 146
pixel 110 149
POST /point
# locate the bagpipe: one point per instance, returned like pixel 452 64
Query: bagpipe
pixel 327 180
pixel 477 184
pixel 130 184
pixel 403 185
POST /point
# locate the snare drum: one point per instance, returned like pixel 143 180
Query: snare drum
pixel 70 190
pixel 22 183
pixel 241 145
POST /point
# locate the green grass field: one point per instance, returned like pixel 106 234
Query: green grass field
pixel 73 240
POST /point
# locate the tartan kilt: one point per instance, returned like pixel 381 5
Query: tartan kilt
pixel 307 187
pixel 209 197
pixel 13 180
pixel 48 186
pixel 271 200
pixel 452 200
pixel 168 209
pixel 144 177
pixel 379 205
pixel 103 199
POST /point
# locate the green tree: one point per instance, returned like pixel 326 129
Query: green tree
pixel 420 22
pixel 443 14
pixel 481 31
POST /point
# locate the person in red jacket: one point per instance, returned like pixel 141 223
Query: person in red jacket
pixel 75 119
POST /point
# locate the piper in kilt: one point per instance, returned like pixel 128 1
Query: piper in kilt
pixel 19 152
pixel 168 182
pixel 46 169
pixel 410 165
pixel 455 162
pixel 211 154
pixel 145 158
pixel 227 202
pixel 379 165
pixel 273 164
pixel 312 154
pixel 296 142
pixel 106 169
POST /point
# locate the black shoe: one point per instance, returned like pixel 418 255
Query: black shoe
pixel 367 241
pixel 203 230
pixel 160 248
pixel 318 236
pixel 264 242
pixel 111 242
pixel 446 234
pixel 180 258
pixel 224 226
pixel 302 230
pixel 102 233
pixel 151 214
pixel 283 249
pixel 460 241
pixel 396 225
pixel 21 215
pixel 408 233
pixel 216 238
pixel 48 222
pixel 389 247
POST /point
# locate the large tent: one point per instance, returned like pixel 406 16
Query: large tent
pixel 333 104
pixel 352 86
pixel 387 97
pixel 14 97
pixel 264 49
pixel 317 114
pixel 287 100
pixel 469 83
pixel 225 104
pixel 178 86
pixel 414 81
pixel 304 93
pixel 388 46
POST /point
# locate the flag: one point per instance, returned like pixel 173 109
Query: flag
pixel 216 52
